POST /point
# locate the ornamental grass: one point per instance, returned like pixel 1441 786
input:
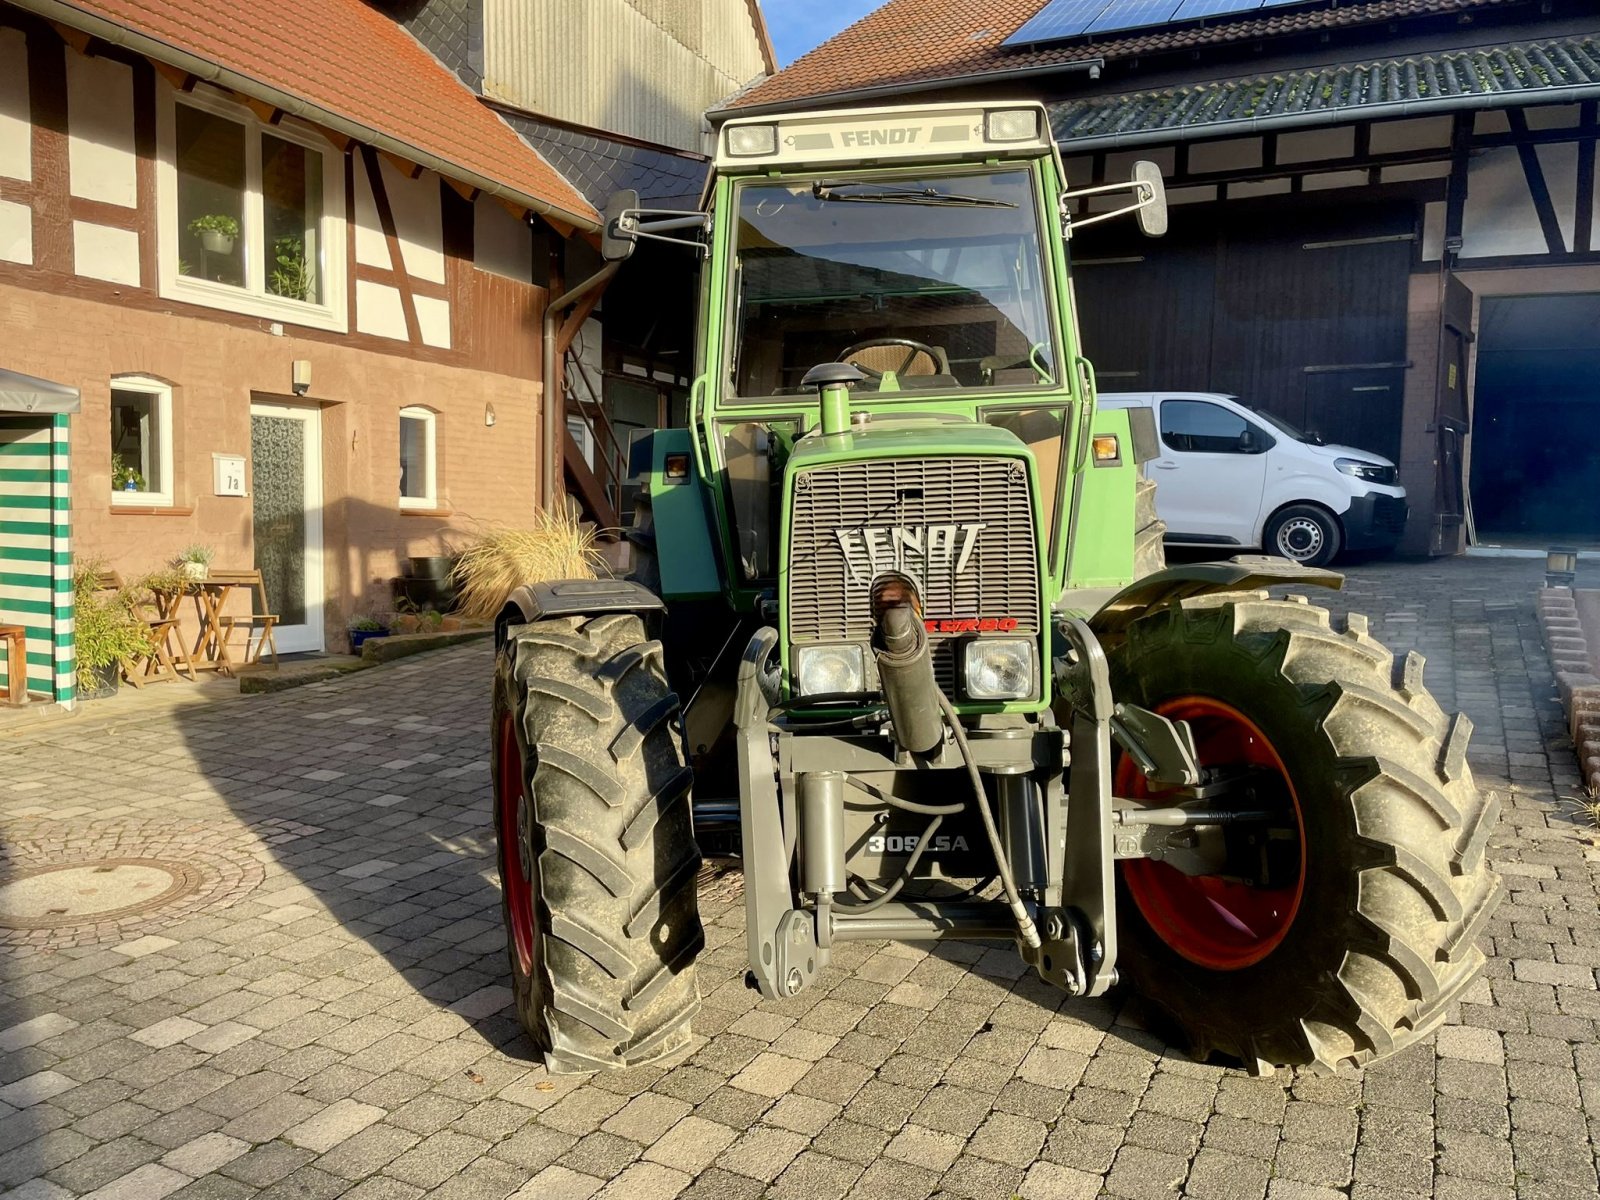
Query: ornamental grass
pixel 503 559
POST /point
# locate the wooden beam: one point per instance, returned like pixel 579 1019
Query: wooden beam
pixel 47 95
pixel 76 38
pixel 179 79
pixel 380 201
pixel 465 190
pixel 266 113
pixel 1583 218
pixel 1538 188
pixel 575 319
pixel 405 166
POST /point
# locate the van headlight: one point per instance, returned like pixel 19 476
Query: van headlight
pixel 830 670
pixel 1361 469
pixel 998 669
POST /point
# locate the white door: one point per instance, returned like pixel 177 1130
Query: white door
pixel 286 510
pixel 1210 474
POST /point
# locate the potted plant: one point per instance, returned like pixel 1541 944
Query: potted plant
pixel 194 562
pixel 216 232
pixel 125 478
pixel 107 632
pixel 364 627
pixel 291 275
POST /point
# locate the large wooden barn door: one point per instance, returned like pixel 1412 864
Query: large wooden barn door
pixel 1301 313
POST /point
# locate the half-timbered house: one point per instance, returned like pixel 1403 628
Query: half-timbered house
pixel 296 270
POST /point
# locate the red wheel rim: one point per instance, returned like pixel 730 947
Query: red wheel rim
pixel 1211 921
pixel 513 844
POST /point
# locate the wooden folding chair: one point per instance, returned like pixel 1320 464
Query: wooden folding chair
pixel 162 662
pixel 260 615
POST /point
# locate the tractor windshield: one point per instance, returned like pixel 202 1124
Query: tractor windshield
pixel 925 283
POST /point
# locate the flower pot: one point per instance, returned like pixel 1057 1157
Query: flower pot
pixel 96 683
pixel 196 571
pixel 358 636
pixel 213 241
pixel 432 567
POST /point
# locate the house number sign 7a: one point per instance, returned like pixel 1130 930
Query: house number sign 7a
pixel 229 472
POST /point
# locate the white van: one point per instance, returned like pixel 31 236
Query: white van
pixel 1230 475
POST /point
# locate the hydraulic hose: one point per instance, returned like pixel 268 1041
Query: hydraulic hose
pixel 1025 926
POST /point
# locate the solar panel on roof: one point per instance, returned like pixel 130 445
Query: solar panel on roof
pixel 1192 10
pixel 1058 19
pixel 1133 14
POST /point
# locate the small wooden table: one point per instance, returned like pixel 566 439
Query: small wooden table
pixel 211 595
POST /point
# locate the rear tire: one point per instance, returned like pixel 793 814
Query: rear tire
pixel 596 847
pixel 1393 888
pixel 1150 531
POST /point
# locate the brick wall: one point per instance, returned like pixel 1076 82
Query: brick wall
pixel 485 474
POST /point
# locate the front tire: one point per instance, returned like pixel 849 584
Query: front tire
pixel 1304 533
pixel 596 849
pixel 1360 930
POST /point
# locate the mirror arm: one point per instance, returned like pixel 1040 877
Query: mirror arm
pixel 1147 197
pixel 657 223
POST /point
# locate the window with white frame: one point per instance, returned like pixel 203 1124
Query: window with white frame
pixel 250 213
pixel 419 477
pixel 141 441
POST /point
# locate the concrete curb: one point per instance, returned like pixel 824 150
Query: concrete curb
pixel 1572 656
pixel 374 652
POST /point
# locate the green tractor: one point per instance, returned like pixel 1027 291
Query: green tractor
pixel 897 634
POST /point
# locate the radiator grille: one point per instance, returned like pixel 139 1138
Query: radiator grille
pixel 829 596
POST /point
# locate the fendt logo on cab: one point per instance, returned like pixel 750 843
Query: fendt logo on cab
pixel 914 550
pixel 906 135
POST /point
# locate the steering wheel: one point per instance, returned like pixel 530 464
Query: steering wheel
pixel 909 345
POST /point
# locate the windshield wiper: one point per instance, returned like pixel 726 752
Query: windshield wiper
pixel 892 195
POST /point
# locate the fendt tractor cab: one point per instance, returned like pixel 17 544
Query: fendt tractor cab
pixel 895 636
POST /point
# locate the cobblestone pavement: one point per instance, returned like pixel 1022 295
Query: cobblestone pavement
pixel 337 1023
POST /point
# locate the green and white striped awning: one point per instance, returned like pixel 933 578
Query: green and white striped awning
pixel 36 548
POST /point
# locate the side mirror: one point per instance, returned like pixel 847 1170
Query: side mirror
pixel 1247 441
pixel 1153 214
pixel 617 239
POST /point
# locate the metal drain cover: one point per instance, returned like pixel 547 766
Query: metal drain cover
pixel 89 893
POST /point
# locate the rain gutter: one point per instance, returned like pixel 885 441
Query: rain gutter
pixel 200 68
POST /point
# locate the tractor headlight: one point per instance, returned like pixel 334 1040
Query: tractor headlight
pixel 752 141
pixel 998 669
pixel 1011 125
pixel 829 670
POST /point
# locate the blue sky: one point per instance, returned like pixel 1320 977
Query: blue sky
pixel 798 25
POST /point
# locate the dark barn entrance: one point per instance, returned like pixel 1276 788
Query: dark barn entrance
pixel 1298 312
pixel 1536 420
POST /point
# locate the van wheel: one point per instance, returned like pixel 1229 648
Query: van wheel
pixel 1304 533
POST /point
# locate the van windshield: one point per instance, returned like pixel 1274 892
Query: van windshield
pixel 924 283
pixel 1282 426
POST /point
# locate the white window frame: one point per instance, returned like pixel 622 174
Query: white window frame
pixel 162 410
pixel 332 312
pixel 430 457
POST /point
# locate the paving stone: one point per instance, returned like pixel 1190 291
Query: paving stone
pixel 762 1153
pixel 149 1182
pixel 340 1120
pixel 1051 1181
pixel 925 1147
pixel 691 1145
pixel 204 1154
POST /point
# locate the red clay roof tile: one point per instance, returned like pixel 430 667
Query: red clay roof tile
pixel 350 60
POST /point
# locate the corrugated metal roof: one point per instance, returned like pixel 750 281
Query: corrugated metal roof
pixel 1532 73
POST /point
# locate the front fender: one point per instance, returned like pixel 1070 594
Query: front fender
pixel 573 598
pixel 1245 573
